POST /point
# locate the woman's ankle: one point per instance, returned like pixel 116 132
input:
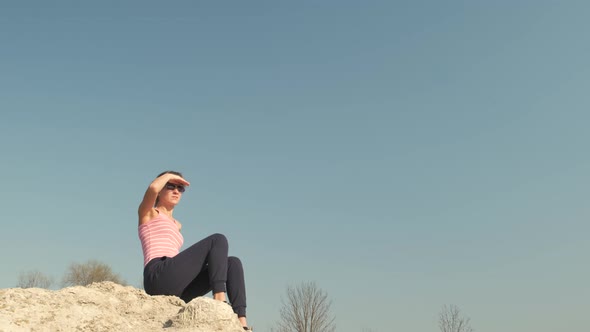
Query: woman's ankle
pixel 243 321
pixel 219 296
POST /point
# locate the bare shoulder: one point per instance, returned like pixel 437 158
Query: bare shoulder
pixel 149 215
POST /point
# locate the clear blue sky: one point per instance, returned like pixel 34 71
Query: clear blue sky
pixel 402 155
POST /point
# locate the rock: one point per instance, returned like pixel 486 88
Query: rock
pixel 107 306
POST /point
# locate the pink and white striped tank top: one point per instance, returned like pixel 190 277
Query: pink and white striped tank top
pixel 159 237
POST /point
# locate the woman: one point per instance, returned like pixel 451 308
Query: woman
pixel 203 267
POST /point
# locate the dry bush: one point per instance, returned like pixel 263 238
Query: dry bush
pixel 34 279
pixel 450 320
pixel 89 272
pixel 306 309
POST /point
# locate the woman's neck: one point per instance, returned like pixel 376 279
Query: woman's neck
pixel 165 210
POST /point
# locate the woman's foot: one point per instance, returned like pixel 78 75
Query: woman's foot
pixel 245 324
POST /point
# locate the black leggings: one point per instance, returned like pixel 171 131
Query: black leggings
pixel 201 268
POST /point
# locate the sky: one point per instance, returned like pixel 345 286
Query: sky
pixel 402 155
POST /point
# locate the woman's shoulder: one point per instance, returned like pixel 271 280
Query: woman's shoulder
pixel 149 216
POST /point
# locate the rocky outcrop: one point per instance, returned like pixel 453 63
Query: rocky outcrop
pixel 107 306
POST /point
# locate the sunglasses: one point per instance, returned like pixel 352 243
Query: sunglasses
pixel 172 186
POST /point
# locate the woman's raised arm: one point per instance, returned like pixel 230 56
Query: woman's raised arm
pixel 149 198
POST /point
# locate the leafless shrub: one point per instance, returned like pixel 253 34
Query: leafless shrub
pixel 306 309
pixel 89 272
pixel 450 320
pixel 34 279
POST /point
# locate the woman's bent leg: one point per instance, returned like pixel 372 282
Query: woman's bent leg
pixel 173 275
pixel 236 286
pixel 198 287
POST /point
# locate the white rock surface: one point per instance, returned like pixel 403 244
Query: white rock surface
pixel 107 306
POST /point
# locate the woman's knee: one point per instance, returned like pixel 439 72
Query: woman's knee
pixel 234 261
pixel 219 239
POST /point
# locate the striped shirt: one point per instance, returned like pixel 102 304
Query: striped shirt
pixel 159 237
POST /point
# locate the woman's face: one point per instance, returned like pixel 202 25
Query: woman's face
pixel 171 193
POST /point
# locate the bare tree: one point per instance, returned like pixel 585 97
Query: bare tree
pixel 89 272
pixel 306 309
pixel 34 278
pixel 450 320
